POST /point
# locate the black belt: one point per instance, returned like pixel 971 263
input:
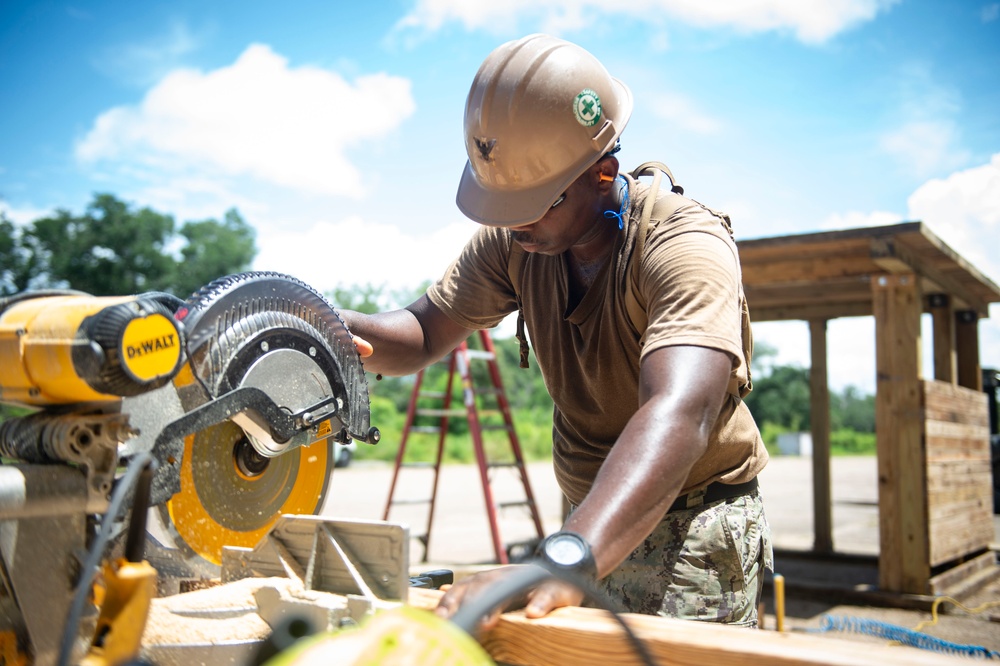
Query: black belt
pixel 713 492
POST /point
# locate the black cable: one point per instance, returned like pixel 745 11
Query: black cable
pixel 135 543
pixel 96 552
pixel 471 613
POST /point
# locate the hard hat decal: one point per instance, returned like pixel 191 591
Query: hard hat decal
pixel 485 147
pixel 587 107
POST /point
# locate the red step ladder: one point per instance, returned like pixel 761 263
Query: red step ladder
pixel 459 363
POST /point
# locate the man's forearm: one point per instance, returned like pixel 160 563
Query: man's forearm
pixel 635 486
pixel 405 341
pixel 681 393
pixel 396 337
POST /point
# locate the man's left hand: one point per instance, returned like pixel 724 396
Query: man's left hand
pixel 540 600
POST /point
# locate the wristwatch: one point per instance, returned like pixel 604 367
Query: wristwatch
pixel 567 551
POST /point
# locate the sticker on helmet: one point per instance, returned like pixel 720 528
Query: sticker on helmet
pixel 587 107
pixel 485 147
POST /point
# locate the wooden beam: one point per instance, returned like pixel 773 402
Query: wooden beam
pixel 895 257
pixel 591 637
pixel 886 256
pixel 838 296
pixel 903 552
pixel 943 318
pixel 813 311
pixel 819 418
pixel 970 373
pixel 795 268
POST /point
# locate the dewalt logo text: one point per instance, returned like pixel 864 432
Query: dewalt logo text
pixel 151 346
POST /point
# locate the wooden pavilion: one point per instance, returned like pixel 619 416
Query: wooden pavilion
pixel 934 475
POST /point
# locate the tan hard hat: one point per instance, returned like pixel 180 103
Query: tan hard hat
pixel 540 111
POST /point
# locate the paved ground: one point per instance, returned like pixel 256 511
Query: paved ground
pixel 460 536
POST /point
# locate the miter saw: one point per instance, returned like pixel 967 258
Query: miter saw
pixel 235 396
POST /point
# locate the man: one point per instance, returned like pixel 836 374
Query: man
pixel 652 445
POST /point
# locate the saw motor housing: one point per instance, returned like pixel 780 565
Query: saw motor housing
pixel 69 349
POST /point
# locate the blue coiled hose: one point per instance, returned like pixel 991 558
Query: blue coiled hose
pixel 901 635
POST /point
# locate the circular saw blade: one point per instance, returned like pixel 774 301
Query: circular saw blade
pixel 274 333
pixel 229 497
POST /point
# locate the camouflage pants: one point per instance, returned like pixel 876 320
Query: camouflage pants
pixel 703 563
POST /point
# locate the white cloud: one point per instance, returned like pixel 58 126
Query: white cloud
pixel 258 117
pixel 355 251
pixel 964 211
pixel 812 22
pixel 23 215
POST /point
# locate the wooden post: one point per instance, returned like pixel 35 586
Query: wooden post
pixel 945 358
pixel 819 418
pixel 904 548
pixel 970 374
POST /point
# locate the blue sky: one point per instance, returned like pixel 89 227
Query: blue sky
pixel 336 128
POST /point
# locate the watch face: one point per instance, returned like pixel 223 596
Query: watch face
pixel 565 550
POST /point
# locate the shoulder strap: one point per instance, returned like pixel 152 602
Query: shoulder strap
pixel 633 299
pixel 514 263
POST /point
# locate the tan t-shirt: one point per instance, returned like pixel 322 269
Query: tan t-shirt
pixel 689 278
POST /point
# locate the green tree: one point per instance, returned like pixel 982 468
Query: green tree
pixel 524 387
pixel 213 250
pixel 780 402
pixel 852 410
pixel 781 398
pixel 17 264
pixel 113 249
pixel 109 250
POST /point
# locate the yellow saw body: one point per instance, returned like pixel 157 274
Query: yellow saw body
pixel 239 392
pixel 65 349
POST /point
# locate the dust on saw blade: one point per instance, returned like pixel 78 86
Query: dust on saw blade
pixel 232 496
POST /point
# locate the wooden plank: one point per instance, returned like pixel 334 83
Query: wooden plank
pixel 840 241
pixel 796 268
pixel 819 415
pixel 959 475
pixel 963 504
pixel 952 540
pixel 967 472
pixel 955 424
pixel 591 637
pixel 959 496
pixel 798 312
pixel 903 551
pixel 944 583
pixel 950 402
pixel 954 448
pixel 839 290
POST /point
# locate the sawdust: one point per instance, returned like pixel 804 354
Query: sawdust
pixel 223 614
